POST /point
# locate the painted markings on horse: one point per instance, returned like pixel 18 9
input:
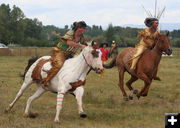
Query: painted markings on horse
pixel 59 104
pixel 60 97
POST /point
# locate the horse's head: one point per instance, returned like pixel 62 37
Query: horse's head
pixel 93 56
pixel 164 43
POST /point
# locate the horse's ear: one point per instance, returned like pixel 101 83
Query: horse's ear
pixel 92 43
pixel 167 34
pixel 97 43
pixel 86 41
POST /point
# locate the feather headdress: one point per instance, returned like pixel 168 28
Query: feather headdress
pixel 156 15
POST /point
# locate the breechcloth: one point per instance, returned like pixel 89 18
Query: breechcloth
pixel 138 51
pixel 57 60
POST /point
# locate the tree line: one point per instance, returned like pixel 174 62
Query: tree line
pixel 16 28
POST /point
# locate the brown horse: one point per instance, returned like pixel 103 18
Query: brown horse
pixel 146 67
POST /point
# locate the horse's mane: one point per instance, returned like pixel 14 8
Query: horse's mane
pixel 157 40
pixel 30 62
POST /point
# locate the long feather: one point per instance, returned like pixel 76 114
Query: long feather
pixel 155 8
pixel 148 13
pixel 160 13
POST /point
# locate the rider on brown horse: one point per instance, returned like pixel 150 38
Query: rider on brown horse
pixel 149 36
pixel 147 65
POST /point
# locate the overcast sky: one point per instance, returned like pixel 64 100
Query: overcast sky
pixel 95 12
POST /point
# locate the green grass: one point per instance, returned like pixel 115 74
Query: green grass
pixel 102 100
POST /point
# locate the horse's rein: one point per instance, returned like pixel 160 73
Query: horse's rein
pixel 91 68
pixel 142 53
pixel 87 62
pixel 156 43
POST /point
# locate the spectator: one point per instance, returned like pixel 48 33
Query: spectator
pixel 113 49
pixel 105 52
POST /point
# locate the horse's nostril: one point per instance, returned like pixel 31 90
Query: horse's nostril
pixel 169 51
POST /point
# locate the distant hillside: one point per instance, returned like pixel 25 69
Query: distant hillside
pixel 162 26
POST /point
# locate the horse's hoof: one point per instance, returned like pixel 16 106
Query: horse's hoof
pixel 125 98
pixel 6 111
pixel 83 115
pixel 138 96
pixel 30 115
pixel 157 78
pixel 144 95
pixel 57 121
pixel 131 97
pixel 33 115
pixel 26 115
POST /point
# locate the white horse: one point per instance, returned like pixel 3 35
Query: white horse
pixel 73 71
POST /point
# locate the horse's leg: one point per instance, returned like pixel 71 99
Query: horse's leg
pixel 19 94
pixel 79 93
pixel 155 76
pixel 121 82
pixel 145 92
pixel 146 80
pixel 60 96
pixel 128 84
pixel 37 94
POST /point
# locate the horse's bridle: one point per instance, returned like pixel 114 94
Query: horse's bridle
pixel 86 60
pixel 91 68
pixel 163 52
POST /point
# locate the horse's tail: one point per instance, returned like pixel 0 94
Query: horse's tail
pixel 30 62
pixel 111 64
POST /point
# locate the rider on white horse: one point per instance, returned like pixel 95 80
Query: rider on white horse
pixel 70 78
pixel 66 48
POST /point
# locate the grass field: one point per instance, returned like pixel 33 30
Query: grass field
pixel 102 100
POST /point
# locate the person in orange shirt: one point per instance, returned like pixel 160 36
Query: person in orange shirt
pixel 148 37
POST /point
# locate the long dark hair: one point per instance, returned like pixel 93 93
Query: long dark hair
pixel 149 21
pixel 80 24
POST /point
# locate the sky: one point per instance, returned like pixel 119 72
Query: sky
pixel 96 12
